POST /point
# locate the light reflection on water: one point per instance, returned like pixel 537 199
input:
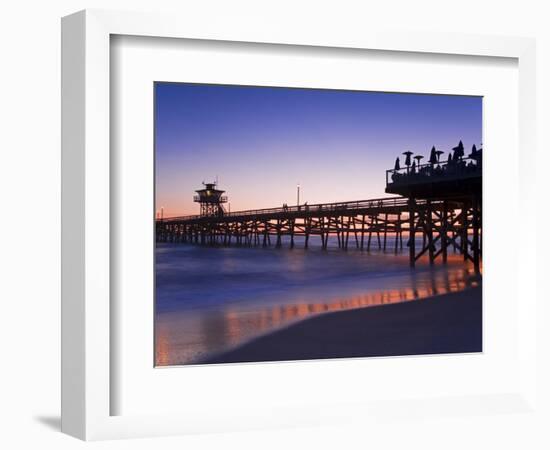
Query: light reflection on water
pixel 188 329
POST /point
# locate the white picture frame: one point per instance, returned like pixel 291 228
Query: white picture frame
pixel 86 246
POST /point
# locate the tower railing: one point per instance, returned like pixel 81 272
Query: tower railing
pixel 376 203
pixel 211 199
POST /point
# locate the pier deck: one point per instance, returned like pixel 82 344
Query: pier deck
pixel 439 225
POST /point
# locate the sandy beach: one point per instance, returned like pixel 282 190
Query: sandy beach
pixel 448 323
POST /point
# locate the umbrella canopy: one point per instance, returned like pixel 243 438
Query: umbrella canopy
pixel 474 152
pixel 458 151
pixel 396 167
pixel 449 159
pixel 408 158
pixel 438 154
pixel 413 166
pixel 433 156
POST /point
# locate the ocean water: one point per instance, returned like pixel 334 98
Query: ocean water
pixel 211 299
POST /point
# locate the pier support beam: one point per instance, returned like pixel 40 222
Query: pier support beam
pixel 412 226
pixel 429 231
pixel 444 225
pixel 476 213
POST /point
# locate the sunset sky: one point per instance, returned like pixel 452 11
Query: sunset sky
pixel 261 142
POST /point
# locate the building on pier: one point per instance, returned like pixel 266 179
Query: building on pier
pixel 444 203
pixel 458 176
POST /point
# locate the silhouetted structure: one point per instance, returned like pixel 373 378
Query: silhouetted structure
pixel 437 180
pixel 362 220
pixel 211 200
pixel 438 202
pixel 445 201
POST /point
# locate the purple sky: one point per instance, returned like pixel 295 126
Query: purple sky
pixel 261 142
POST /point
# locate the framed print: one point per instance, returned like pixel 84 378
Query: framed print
pixel 219 302
pixel 264 228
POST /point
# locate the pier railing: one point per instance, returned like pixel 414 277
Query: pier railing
pixel 396 202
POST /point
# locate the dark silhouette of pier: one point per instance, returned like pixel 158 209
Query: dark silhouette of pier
pixel 438 204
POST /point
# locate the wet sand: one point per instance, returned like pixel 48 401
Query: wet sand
pixel 448 323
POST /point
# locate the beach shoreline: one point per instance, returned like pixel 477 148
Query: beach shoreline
pixel 446 323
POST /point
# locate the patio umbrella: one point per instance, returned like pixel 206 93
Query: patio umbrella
pixel 418 158
pixel 474 152
pixel 458 151
pixel 396 167
pixel 438 154
pixel 413 168
pixel 408 158
pixel 433 156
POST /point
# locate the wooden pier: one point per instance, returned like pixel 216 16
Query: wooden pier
pixel 438 210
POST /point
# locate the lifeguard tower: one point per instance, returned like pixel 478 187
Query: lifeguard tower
pixel 211 200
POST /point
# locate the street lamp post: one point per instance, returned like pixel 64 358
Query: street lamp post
pixel 298 194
